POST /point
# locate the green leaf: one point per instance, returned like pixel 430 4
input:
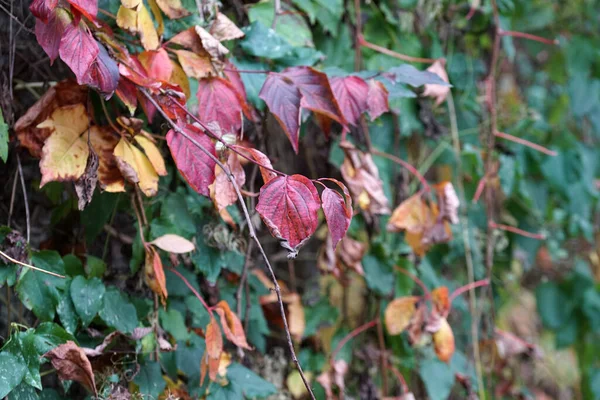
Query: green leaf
pixel 38 291
pixel 378 274
pixel 319 315
pixel 118 312
pixel 50 394
pixel 95 267
pixel 438 378
pixel 23 392
pixel 29 352
pixel 553 305
pixel 410 75
pixel 188 355
pixel 264 42
pixel 150 380
pixel 48 335
pixel 98 213
pixel 290 26
pixel 66 311
pixel 591 308
pixel 172 321
pixel 87 297
pixel 73 265
pixel 252 385
pixel 176 287
pixel 12 371
pixel 3 138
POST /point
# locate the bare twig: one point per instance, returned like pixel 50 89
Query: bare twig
pixel 527 143
pixel 251 231
pixel 406 165
pixel 238 294
pixel 9 258
pixel 12 197
pixel 527 36
pixel 382 357
pixel 517 231
pixel 24 188
pixel 415 279
pixel 194 291
pixel 351 335
pixel 391 53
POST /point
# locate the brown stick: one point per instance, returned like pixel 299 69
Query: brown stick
pixel 251 231
pixel 527 36
pixel 527 143
pixel 392 53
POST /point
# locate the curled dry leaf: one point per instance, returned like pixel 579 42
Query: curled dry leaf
pixel 65 152
pixel 362 177
pixel 443 341
pixel 509 345
pixel 195 65
pixel 71 363
pixel 136 167
pixel 440 300
pixel 109 175
pixel 288 205
pixel 223 28
pixel 234 331
pixel 214 348
pixel 173 8
pixel 211 44
pixel 154 273
pixel 86 183
pixel 399 314
pixel 438 92
pixel 448 202
pixel 173 244
pixel 222 190
pixel 377 99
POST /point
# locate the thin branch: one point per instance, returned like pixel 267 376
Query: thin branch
pixel 12 197
pixel 406 165
pixel 415 279
pixel 527 143
pixel 351 335
pixel 357 36
pixel 467 288
pixel 252 232
pixel 479 190
pixel 24 188
pixel 382 357
pixel 238 294
pixel 391 53
pixel 247 71
pixel 517 231
pixel 401 379
pixel 189 285
pixel 528 36
pixel 9 258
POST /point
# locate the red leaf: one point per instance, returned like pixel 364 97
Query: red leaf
pixel 127 92
pixel 220 102
pixel 283 99
pixel 43 9
pixel 133 70
pixel 157 64
pixel 288 205
pixel 234 331
pixel 78 49
pixel 233 76
pixel 299 87
pixel 89 8
pixel 337 210
pixel 104 74
pixel 195 166
pixel 48 35
pixel 351 95
pixel 262 160
pixel 377 99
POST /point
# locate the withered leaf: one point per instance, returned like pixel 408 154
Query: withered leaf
pixel 71 363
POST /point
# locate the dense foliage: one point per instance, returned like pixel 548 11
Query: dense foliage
pixel 306 198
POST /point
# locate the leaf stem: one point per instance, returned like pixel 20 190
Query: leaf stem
pixel 527 143
pixel 415 279
pixel 529 36
pixel 251 230
pixel 9 258
pixel 391 53
pixel 406 165
pixel 517 231
pixel 351 335
pixel 467 288
pixel 194 291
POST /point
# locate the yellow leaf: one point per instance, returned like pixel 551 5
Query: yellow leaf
pixel 178 77
pixel 412 215
pixel 153 154
pixel 157 16
pixel 173 8
pixel 127 19
pixel 194 65
pixel 443 341
pixel 131 3
pixel 104 142
pixel 145 26
pixel 296 319
pixel 136 167
pixel 65 152
pixel 399 313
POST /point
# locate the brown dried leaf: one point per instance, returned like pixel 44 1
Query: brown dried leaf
pixel 223 28
pixel 71 363
pixel 222 191
pixel 195 65
pixel 448 202
pixel 438 92
pixel 234 331
pixel 86 183
pixel 412 215
pixel 173 8
pixel 154 273
pixel 211 44
pixel 104 141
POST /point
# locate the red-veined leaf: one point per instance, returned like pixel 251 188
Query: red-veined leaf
pixel 233 76
pixel 288 205
pixel 195 166
pixel 234 331
pixel 351 94
pixel 283 99
pixel 104 74
pixel 78 49
pixel 43 9
pixel 49 35
pixel 338 211
pixel 262 160
pixel 89 8
pixel 377 99
pixel 157 64
pixel 219 101
pixel 127 92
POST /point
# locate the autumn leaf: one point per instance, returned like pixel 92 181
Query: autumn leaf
pixel 190 40
pixel 194 165
pixel 220 102
pixel 104 141
pixel 179 78
pixel 448 202
pixel 173 244
pixel 223 28
pixel 443 341
pixel 71 364
pixel 210 44
pixel 173 8
pixel 78 49
pixel 195 65
pixel 65 152
pixel 43 9
pixel 298 88
pixel 288 205
pixel 154 273
pixel 362 177
pixel 103 74
pixel 351 94
pixel 234 331
pixel 222 191
pixel 399 314
pixel 89 8
pixel 413 215
pixel 135 167
pixel 337 210
pixel 214 347
pixel 157 64
pixel 377 99
pixel 262 160
pixel 86 183
pixel 152 153
pixel 440 300
pixel 49 33
pixel 127 19
pixel 146 28
pixel 438 92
